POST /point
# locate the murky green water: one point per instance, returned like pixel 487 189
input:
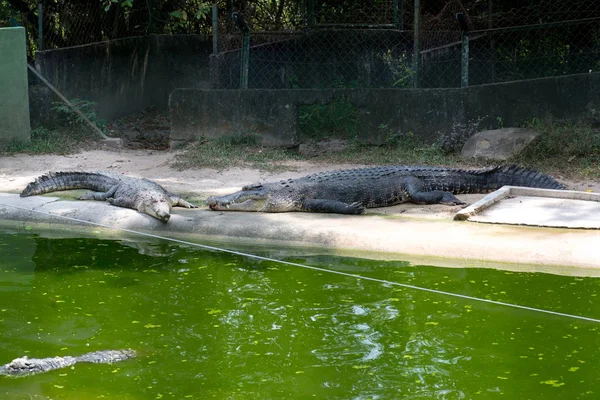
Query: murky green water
pixel 212 325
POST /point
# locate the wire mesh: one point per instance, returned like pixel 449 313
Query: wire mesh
pixel 344 43
pixel 321 59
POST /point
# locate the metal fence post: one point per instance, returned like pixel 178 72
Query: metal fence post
pixel 310 10
pixel 40 26
pixel 492 43
pixel 464 59
pixel 416 50
pixel 464 49
pixel 245 54
pixel 150 17
pixel 399 14
pixel 215 29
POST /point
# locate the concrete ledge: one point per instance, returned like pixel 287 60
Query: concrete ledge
pixel 433 242
pixel 522 206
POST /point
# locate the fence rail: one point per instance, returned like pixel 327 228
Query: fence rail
pixel 343 43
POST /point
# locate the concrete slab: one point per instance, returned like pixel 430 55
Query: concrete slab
pixel 536 207
pixel 422 241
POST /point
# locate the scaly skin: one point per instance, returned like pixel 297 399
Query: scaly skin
pixel 30 366
pixel 351 191
pixel 143 195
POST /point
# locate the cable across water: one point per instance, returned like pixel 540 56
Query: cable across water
pixel 311 267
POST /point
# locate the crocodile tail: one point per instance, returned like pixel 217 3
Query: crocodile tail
pixel 516 176
pixel 56 181
pixel 106 356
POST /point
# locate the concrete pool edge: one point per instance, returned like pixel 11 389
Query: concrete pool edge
pixel 434 242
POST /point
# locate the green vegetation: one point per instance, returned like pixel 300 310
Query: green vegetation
pixel 336 119
pixel 233 151
pixel 70 134
pixel 244 150
pixel 71 118
pixel 401 68
pixel 567 148
pixel 45 141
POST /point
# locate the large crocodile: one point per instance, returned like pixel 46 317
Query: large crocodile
pixel 143 194
pixel 30 366
pixel 350 191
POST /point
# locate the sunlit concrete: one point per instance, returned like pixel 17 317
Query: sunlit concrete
pixel 536 207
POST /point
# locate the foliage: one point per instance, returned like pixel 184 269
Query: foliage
pixel 190 17
pixel 400 67
pixel 566 148
pixel 336 119
pixel 126 4
pixel 6 12
pixel 400 140
pixel 45 141
pixel 87 108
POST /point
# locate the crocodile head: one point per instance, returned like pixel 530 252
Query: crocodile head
pixel 255 197
pixel 21 366
pixel 157 205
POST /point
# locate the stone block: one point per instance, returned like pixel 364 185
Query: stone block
pixel 498 144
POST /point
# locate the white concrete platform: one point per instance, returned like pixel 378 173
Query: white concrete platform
pixel 536 207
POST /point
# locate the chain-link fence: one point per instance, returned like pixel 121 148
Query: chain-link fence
pixel 343 43
pixel 544 39
pixel 373 44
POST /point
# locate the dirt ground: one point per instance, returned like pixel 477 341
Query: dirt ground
pixel 197 184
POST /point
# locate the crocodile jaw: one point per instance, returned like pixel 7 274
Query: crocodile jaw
pixel 235 203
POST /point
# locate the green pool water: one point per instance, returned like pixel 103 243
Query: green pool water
pixel 212 325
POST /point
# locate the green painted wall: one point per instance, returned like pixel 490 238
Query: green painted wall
pixel 14 98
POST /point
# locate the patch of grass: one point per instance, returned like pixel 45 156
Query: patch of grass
pixel 564 148
pixel 45 141
pixel 568 150
pixel 234 151
pixel 242 151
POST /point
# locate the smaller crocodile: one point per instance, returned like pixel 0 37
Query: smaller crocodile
pixel 30 366
pixel 140 194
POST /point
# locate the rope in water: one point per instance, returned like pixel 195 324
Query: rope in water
pixel 355 276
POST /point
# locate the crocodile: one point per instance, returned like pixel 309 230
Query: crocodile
pixel 30 366
pixel 350 191
pixel 120 190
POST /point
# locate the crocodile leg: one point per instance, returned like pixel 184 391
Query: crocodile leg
pixel 99 195
pixel 331 206
pixel 123 202
pixel 413 187
pixel 179 202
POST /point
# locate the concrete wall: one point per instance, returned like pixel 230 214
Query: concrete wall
pixel 127 75
pixel 273 114
pixel 14 99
